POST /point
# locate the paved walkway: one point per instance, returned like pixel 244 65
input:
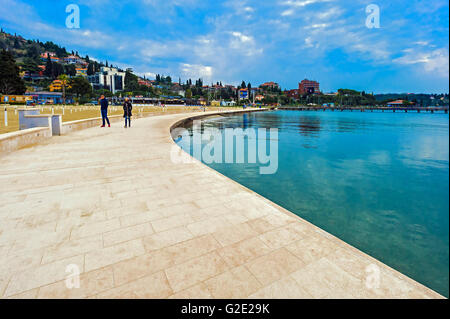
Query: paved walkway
pixel 111 202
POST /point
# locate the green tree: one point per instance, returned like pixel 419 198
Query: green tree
pixel 57 69
pixel 10 81
pixel 188 94
pixel 80 86
pixel 33 52
pixel 48 67
pixel 91 69
pixel 29 65
pixel 131 82
pixel 70 70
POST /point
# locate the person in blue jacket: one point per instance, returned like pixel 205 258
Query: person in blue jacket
pixel 104 110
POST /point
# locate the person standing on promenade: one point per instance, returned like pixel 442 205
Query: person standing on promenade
pixel 127 108
pixel 104 110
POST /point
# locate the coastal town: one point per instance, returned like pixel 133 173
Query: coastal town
pixel 45 73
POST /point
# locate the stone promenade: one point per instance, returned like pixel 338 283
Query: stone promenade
pixel 110 203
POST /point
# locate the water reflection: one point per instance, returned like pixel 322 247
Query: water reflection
pixel 309 125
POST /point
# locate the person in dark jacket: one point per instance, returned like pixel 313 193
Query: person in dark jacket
pixel 127 108
pixel 104 110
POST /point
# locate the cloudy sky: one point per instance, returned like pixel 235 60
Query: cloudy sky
pixel 255 40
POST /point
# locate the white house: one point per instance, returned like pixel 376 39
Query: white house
pixel 108 78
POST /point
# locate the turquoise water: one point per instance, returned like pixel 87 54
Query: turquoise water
pixel 379 181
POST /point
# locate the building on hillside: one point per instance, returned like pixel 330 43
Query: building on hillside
pixel 108 78
pixel 176 87
pixel 81 72
pixel 243 94
pixel 53 57
pixel 308 87
pixel 73 59
pixel 228 103
pixel 254 91
pixel 399 103
pixel 146 83
pixel 231 88
pixel 26 75
pixel 259 97
pixel 293 94
pixel 46 54
pixel 270 85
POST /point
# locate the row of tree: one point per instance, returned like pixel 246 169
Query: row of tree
pixel 10 81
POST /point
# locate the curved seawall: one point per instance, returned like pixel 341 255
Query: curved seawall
pixel 365 203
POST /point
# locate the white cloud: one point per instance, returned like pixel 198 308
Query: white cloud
pixel 242 37
pixel 435 61
pixel 288 12
pixel 317 26
pixel 196 71
pixel 302 3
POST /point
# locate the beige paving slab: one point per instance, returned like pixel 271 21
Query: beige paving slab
pixel 72 248
pixel 236 233
pixel 95 228
pixel 274 266
pixel 151 287
pixel 286 288
pixel 242 252
pixel 90 284
pixel 164 258
pixel 110 255
pixel 167 238
pixel 236 283
pixel 199 291
pixel 126 234
pixel 42 275
pixel 140 226
pixel 195 271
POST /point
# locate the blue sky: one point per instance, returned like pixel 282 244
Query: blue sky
pixel 280 40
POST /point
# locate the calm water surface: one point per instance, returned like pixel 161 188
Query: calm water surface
pixel 379 181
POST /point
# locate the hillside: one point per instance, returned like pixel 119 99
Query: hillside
pixel 32 57
pixel 419 99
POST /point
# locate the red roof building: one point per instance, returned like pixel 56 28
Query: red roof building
pixel 308 87
pixel 271 85
pixel 293 94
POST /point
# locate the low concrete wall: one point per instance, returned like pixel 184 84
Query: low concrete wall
pixel 23 122
pixel 34 121
pixel 16 140
pixel 200 116
pixel 68 127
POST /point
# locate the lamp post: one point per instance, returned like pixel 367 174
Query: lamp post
pixel 6 117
